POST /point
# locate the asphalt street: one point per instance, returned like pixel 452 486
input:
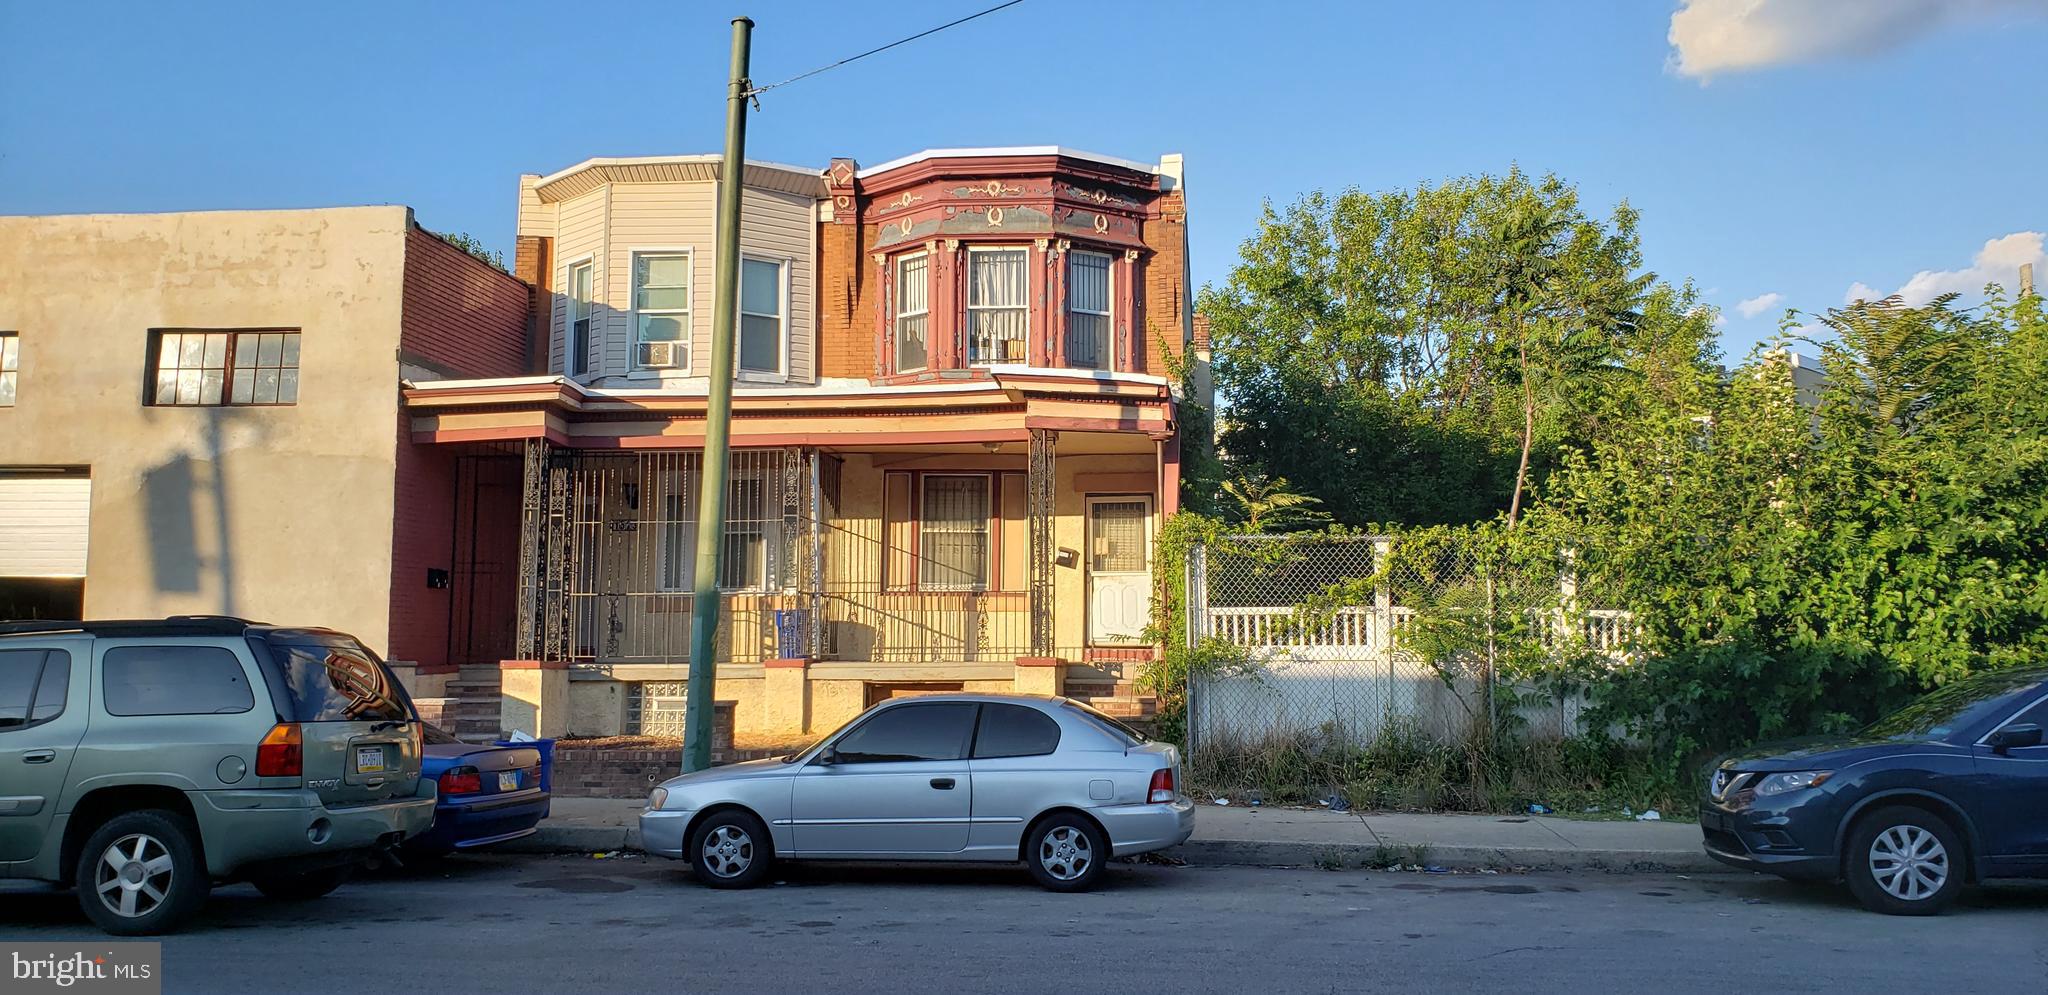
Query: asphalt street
pixel 512 924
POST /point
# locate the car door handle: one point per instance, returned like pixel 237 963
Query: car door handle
pixel 45 756
pixel 942 783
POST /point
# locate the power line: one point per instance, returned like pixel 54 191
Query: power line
pixel 757 91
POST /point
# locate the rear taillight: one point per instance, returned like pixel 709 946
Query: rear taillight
pixel 281 753
pixel 1162 786
pixel 461 781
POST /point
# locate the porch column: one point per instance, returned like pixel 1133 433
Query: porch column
pixel 532 527
pixel 1039 496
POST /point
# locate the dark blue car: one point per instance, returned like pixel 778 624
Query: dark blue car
pixel 487 793
pixel 1947 791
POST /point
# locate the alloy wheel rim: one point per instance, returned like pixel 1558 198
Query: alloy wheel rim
pixel 1065 853
pixel 728 851
pixel 1909 863
pixel 133 876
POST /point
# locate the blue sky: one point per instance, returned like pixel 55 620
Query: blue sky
pixel 1829 142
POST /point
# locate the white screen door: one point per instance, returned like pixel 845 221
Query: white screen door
pixel 1119 569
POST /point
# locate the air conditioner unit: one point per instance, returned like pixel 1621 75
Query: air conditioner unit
pixel 663 355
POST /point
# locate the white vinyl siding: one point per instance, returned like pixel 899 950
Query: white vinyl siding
pixel 582 237
pixel 617 220
pixel 43 524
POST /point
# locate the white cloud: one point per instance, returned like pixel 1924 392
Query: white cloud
pixel 1716 36
pixel 1997 262
pixel 1759 304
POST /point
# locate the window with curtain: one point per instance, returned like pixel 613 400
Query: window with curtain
pixel 997 288
pixel 912 311
pixel 761 318
pixel 661 309
pixel 952 536
pixel 579 317
pixel 1088 310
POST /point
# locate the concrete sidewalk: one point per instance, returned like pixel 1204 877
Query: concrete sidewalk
pixel 1299 838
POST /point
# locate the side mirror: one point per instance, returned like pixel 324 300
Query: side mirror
pixel 829 756
pixel 2014 737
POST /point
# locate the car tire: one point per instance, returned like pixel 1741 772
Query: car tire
pixel 1066 852
pixel 301 886
pixel 1904 861
pixel 140 873
pixel 731 849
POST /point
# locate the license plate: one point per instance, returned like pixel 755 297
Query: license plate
pixel 369 759
pixel 508 780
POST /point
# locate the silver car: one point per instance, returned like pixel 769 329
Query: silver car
pixel 969 777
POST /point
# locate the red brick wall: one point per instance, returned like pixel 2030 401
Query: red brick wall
pixel 469 320
pixel 530 263
pixel 846 301
pixel 1165 303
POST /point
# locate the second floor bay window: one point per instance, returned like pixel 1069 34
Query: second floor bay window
pixel 913 311
pixel 762 321
pixel 661 310
pixel 580 300
pixel 998 310
pixel 1088 310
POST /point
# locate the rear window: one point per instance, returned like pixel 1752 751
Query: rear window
pixel 174 680
pixel 1116 729
pixel 1014 731
pixel 335 681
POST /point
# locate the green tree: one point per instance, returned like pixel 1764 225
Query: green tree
pixel 475 247
pixel 1420 356
pixel 1264 505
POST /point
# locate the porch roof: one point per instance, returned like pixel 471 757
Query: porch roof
pixel 1003 407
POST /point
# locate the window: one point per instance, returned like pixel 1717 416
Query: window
pixel 1014 731
pixel 952 536
pixel 753 526
pixel 661 309
pixel 33 686
pixel 1088 310
pixel 996 305
pixel 580 276
pixel 937 731
pixel 912 310
pixel 1113 727
pixel 174 680
pixel 328 681
pixel 10 367
pixel 207 368
pixel 761 318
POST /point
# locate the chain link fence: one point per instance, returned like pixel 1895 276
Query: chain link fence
pixel 1320 650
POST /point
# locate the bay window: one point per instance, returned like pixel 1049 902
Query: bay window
pixel 580 301
pixel 661 310
pixel 1088 310
pixel 763 324
pixel 912 311
pixel 997 305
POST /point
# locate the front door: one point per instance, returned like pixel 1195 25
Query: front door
pixel 897 783
pixel 1119 569
pixel 42 718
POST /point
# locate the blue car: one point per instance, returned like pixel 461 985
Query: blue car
pixel 487 793
pixel 1949 790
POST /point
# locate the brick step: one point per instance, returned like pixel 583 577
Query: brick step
pixel 1124 706
pixel 1103 689
pixel 460 689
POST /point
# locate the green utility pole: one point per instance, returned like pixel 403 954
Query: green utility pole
pixel 704 601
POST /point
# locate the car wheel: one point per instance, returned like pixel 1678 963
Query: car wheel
pixel 139 873
pixel 731 849
pixel 301 886
pixel 1904 861
pixel 1066 852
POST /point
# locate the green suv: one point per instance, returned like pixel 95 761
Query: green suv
pixel 142 761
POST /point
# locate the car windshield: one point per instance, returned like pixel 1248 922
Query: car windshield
pixel 792 758
pixel 1940 713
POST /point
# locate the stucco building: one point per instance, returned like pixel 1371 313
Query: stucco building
pixel 200 413
pixel 954 437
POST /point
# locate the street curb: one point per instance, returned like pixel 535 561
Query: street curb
pixel 1260 853
pixel 1272 853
